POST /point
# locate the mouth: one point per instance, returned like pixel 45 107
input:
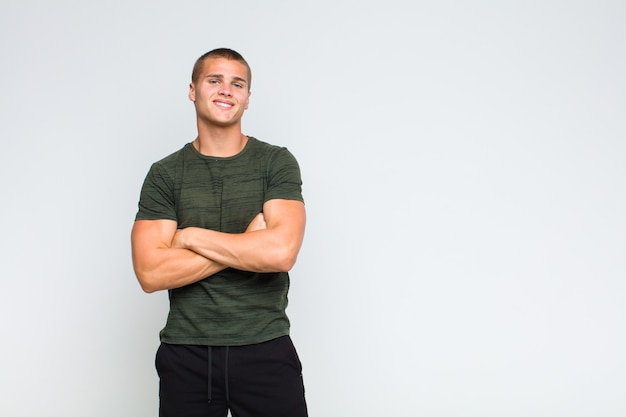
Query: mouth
pixel 223 104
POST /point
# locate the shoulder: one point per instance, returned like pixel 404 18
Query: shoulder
pixel 174 157
pixel 268 150
pixel 168 166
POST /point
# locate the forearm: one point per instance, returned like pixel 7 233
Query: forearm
pixel 259 251
pixel 271 246
pixel 171 268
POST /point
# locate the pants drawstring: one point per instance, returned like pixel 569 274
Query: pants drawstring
pixel 210 363
pixel 226 374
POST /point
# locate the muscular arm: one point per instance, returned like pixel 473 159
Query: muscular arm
pixel 272 249
pixel 161 266
pixel 158 265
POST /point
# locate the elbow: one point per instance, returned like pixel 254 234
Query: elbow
pixel 277 261
pixel 286 257
pixel 285 267
pixel 288 264
pixel 285 262
pixel 147 283
pixel 148 289
pixel 147 276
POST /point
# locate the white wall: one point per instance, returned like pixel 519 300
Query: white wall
pixel 464 171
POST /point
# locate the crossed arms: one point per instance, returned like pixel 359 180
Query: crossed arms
pixel 167 258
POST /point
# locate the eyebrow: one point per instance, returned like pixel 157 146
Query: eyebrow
pixel 220 76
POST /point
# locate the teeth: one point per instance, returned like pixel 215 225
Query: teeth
pixel 224 105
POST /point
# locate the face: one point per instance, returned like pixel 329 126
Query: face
pixel 220 94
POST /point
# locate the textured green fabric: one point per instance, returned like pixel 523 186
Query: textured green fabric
pixel 232 307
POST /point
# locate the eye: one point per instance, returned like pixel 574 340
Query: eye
pixel 214 81
pixel 238 85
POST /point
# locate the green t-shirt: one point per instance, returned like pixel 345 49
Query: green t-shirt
pixel 232 307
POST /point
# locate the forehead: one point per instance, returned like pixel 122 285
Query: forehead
pixel 228 68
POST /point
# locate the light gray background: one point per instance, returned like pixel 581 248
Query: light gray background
pixel 464 171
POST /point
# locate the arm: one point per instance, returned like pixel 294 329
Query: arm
pixel 159 266
pixel 273 249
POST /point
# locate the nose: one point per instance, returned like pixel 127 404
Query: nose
pixel 225 90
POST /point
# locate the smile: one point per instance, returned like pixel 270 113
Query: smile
pixel 223 105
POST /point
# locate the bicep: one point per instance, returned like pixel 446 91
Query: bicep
pixel 150 235
pixel 286 216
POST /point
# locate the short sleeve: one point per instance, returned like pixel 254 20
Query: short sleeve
pixel 157 201
pixel 284 179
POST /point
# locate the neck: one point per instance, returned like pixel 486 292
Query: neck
pixel 220 141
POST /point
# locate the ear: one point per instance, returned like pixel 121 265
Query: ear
pixel 248 100
pixel 192 92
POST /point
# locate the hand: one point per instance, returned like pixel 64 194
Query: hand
pixel 178 241
pixel 182 236
pixel 258 223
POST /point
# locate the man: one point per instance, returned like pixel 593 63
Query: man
pixel 219 226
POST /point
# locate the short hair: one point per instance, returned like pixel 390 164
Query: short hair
pixel 219 53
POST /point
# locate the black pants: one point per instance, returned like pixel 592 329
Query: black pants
pixel 258 380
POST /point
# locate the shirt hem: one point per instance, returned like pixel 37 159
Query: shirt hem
pixel 213 342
